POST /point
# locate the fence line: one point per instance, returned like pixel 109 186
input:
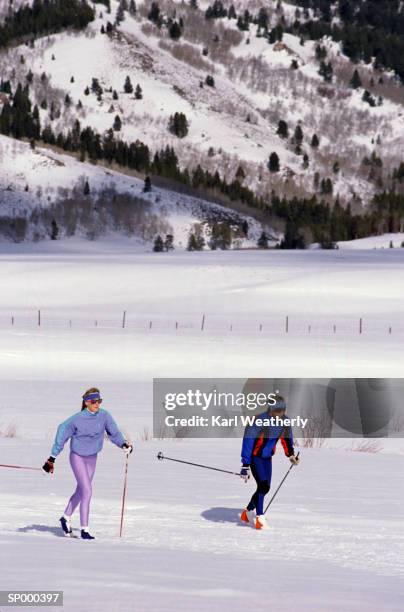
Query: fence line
pixel 210 323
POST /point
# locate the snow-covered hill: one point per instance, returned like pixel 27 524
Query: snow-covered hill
pixel 41 185
pixel 236 121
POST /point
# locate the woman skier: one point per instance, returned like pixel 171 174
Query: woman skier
pixel 259 444
pixel 85 429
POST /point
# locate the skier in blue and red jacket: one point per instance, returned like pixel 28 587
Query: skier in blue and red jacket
pixel 259 444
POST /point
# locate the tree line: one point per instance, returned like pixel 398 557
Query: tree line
pixel 306 219
pixel 367 29
pixel 45 17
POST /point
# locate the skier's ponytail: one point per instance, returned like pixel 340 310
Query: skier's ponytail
pixel 91 390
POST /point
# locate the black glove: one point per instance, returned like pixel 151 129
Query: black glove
pixel 127 447
pixel 245 472
pixel 48 466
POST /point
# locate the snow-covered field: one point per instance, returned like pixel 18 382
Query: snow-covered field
pixel 335 540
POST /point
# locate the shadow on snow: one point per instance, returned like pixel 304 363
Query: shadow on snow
pixel 56 531
pixel 223 515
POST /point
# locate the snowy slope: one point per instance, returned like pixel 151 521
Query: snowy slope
pixel 236 121
pixel 50 177
pixel 374 242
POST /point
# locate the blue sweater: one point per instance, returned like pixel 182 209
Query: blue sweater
pixel 86 433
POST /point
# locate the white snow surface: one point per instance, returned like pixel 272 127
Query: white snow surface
pixel 335 540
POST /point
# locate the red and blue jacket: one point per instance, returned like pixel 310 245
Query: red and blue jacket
pixel 261 441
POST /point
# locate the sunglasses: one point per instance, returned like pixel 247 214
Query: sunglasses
pixel 98 401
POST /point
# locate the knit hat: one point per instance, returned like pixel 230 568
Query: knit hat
pixel 280 404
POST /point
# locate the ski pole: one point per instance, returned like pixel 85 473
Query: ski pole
pixel 160 456
pixel 20 467
pixel 281 483
pixel 124 494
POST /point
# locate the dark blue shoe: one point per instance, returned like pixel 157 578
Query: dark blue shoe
pixel 65 526
pixel 86 536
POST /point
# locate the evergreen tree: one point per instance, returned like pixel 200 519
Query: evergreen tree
pixel 232 12
pixel 326 71
pixel 120 13
pixel 147 185
pixel 117 124
pixel 321 53
pixel 367 97
pixel 315 141
pixel 355 81
pixel 158 245
pixel 326 186
pixel 210 81
pixel 240 173
pixel 298 135
pixel 86 189
pixel 178 125
pixel 54 230
pixel 191 242
pixel 169 243
pixel 196 241
pixel 138 92
pixel 115 95
pixel 293 237
pixel 273 164
pixel 282 130
pixel 216 11
pixel 96 87
pixel 132 7
pixel 154 13
pixel 128 87
pixel 5 86
pixel 262 19
pixel 221 236
pixel 263 241
pixel 175 31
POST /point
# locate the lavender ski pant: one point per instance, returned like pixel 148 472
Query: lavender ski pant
pixel 83 470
